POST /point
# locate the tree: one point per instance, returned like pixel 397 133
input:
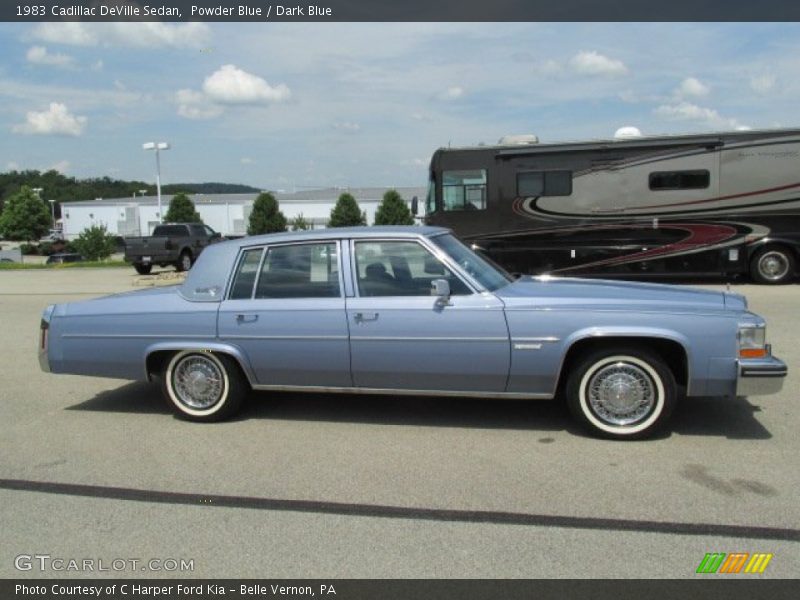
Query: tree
pixel 299 223
pixel 95 243
pixel 25 216
pixel 393 210
pixel 266 216
pixel 181 210
pixel 346 212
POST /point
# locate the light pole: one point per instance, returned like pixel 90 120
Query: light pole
pixel 53 212
pixel 157 146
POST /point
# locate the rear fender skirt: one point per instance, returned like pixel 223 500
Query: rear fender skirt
pixel 222 348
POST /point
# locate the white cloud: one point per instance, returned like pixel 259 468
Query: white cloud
pixel 56 120
pixel 246 160
pixel 347 127
pixel 61 166
pixel 763 84
pixel 97 65
pixel 452 93
pixel 686 111
pixel 231 85
pixel 594 63
pixel 692 87
pixel 12 165
pixel 158 34
pixel 195 105
pixel 421 117
pixel 139 35
pixel 70 33
pixel 38 55
pixel 550 67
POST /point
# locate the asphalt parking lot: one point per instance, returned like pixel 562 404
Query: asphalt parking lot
pixel 357 487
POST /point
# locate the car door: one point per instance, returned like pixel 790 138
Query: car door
pixel 402 338
pixel 286 310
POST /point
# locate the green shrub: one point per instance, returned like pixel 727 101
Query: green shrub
pixel 94 243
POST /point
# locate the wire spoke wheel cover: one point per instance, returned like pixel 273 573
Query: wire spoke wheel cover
pixel 621 393
pixel 197 382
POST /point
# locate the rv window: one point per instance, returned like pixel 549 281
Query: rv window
pixel 679 180
pixel 430 199
pixel 544 183
pixel 464 190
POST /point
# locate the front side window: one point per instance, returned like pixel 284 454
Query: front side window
pixel 401 269
pixel 544 183
pixel 486 273
pixel 680 180
pixel 464 190
pixel 300 271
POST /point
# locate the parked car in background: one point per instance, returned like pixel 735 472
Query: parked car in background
pixel 411 310
pixel 63 257
pixel 177 244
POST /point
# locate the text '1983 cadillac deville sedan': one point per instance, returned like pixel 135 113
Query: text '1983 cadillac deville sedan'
pixel 410 310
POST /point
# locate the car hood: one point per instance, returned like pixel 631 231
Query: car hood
pixel 544 292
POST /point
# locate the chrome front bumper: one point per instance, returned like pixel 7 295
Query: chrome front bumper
pixel 760 376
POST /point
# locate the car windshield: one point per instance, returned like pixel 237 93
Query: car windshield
pixel 481 270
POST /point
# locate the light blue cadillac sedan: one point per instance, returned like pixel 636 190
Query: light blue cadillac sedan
pixel 411 310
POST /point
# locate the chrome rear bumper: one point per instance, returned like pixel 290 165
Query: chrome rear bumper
pixel 44 339
pixel 760 376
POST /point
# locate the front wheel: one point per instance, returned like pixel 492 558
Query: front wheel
pixel 621 393
pixel 202 386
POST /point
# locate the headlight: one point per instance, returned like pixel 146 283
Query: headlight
pixel 752 341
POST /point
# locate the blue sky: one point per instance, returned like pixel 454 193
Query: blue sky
pixel 285 105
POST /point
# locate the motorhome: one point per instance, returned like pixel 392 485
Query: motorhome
pixel 713 204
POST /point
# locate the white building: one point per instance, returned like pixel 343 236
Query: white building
pixel 225 213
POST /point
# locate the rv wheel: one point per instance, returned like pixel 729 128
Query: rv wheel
pixel 773 264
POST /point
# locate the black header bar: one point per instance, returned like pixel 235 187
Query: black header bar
pixel 400 10
pixel 734 588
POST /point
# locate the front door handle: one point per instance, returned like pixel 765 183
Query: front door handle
pixel 246 318
pixel 365 317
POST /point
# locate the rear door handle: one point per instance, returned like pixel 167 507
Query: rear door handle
pixel 246 318
pixel 365 317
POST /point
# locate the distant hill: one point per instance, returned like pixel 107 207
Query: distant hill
pixel 59 187
pixel 209 188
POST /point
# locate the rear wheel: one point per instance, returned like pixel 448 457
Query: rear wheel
pixel 142 269
pixel 202 386
pixel 621 393
pixel 185 261
pixel 773 264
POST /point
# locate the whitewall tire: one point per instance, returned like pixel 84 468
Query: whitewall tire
pixel 621 393
pixel 203 386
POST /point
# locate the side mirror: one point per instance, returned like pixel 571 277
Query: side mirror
pixel 414 206
pixel 441 289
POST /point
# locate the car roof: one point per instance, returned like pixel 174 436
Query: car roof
pixel 335 233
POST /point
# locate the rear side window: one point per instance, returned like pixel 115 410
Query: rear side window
pixel 246 272
pixel 680 180
pixel 300 271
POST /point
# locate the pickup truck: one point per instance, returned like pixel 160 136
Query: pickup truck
pixel 176 244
